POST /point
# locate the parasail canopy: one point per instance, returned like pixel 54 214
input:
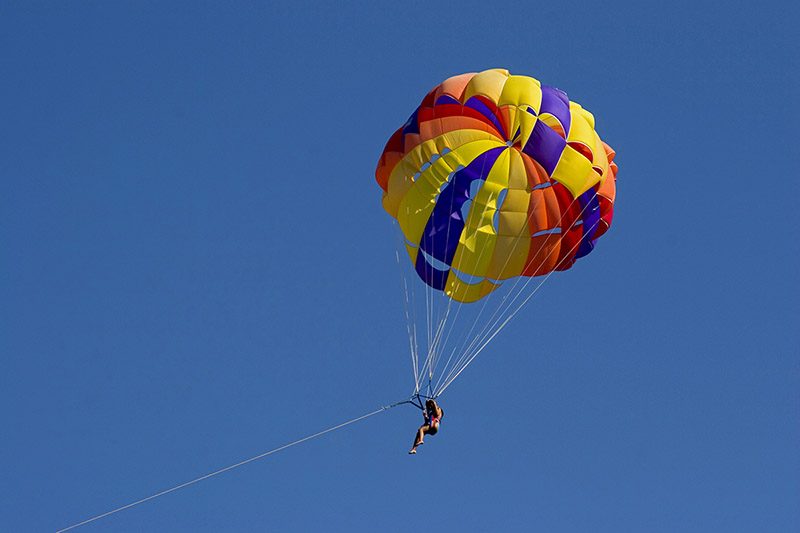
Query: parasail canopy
pixel 494 177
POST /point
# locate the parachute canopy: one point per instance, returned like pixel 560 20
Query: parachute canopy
pixel 496 176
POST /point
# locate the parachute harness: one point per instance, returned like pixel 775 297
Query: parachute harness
pixel 417 400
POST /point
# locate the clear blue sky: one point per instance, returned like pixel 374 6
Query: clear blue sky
pixel 195 267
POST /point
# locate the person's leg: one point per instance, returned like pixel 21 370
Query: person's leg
pixel 420 435
pixel 423 430
pixel 419 438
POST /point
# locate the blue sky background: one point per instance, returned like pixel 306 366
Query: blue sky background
pixel 195 268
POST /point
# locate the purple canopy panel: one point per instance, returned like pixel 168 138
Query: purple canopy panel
pixel 590 214
pixel 545 146
pixel 446 99
pixel 555 102
pixel 476 104
pixel 429 274
pixel 443 230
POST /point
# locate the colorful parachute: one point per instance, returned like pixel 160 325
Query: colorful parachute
pixel 495 176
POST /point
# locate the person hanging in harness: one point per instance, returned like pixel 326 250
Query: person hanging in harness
pixel 433 415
